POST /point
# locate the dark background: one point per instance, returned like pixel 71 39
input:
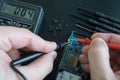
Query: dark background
pixel 61 10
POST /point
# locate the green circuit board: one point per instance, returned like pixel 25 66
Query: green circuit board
pixel 70 65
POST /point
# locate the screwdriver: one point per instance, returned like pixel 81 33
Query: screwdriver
pixel 103 20
pixel 99 14
pixel 87 41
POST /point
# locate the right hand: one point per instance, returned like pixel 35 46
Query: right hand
pixel 102 63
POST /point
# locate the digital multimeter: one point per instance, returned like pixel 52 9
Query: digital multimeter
pixel 21 14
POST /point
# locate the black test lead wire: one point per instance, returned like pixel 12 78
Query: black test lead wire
pixel 29 58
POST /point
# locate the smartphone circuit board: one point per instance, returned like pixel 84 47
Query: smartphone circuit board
pixel 70 67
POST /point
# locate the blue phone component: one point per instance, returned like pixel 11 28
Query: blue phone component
pixel 70 66
pixel 21 14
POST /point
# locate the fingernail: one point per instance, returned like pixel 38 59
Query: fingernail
pixel 54 54
pixel 97 41
pixel 52 43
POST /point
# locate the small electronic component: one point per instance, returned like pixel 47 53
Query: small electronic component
pixel 68 76
pixel 70 67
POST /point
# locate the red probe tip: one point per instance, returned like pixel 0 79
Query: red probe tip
pixel 84 40
pixel 88 41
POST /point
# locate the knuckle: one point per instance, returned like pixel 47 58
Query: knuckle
pixel 25 30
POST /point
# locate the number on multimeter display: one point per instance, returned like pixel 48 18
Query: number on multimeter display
pixel 19 11
pixel 21 14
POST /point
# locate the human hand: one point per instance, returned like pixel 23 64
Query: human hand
pixel 102 63
pixel 12 39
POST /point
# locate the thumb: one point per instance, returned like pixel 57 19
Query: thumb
pixel 40 67
pixel 98 56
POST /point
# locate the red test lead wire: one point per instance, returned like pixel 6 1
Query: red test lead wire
pixel 87 41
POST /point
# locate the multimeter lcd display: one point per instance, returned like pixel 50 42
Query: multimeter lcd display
pixel 19 11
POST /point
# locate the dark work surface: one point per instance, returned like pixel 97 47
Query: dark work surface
pixel 61 10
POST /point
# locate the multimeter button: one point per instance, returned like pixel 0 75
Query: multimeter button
pixel 24 25
pixel 4 21
pixel 3 24
pixel 1 20
pixel 8 22
pixel 19 25
pixel 14 23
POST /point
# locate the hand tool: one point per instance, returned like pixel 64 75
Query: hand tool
pixel 102 20
pixel 95 29
pixel 104 26
pixel 100 26
pixel 99 14
pixel 87 41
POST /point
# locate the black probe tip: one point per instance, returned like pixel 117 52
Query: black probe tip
pixel 61 45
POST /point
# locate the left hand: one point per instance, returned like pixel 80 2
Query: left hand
pixel 12 39
pixel 102 63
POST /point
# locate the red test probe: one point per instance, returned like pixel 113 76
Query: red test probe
pixel 87 41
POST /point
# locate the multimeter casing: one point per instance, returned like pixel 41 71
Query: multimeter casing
pixel 12 20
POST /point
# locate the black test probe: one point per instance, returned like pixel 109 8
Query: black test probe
pixel 31 57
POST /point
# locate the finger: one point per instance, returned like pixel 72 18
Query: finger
pixel 83 59
pixel 4 43
pixel 39 68
pixel 24 38
pixel 117 60
pixel 99 61
pixel 85 49
pixel 116 67
pixel 108 37
pixel 113 54
pixel 118 75
pixel 104 36
pixel 4 57
pixel 86 67
pixel 14 54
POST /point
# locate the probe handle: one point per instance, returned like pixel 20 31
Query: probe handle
pixel 88 41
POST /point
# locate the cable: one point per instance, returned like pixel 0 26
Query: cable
pixel 23 60
pixel 29 58
pixel 16 70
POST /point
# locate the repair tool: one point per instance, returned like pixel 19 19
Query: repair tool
pixel 31 57
pixel 94 22
pixel 95 29
pixel 102 20
pixel 84 28
pixel 104 26
pixel 99 14
pixel 21 14
pixel 87 41
pixel 112 24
